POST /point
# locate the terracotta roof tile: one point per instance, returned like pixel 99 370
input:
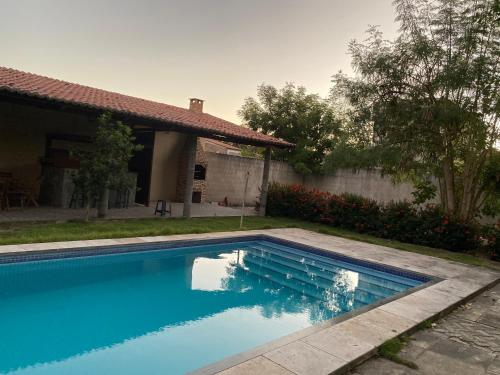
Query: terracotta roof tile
pixel 29 84
pixel 222 144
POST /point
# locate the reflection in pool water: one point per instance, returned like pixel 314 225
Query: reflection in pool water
pixel 171 311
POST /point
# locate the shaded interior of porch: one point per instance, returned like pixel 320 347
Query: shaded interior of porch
pixel 36 152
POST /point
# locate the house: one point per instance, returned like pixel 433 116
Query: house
pixel 42 119
pixel 204 146
pixel 218 147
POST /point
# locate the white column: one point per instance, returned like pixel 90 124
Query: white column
pixel 191 143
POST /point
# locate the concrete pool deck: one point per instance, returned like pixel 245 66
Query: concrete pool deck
pixel 465 342
pixel 334 346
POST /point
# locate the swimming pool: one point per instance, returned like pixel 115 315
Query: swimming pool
pixel 170 308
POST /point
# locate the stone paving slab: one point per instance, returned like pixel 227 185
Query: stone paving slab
pixel 253 366
pixel 304 359
pixel 347 345
pixel 325 349
pixel 466 342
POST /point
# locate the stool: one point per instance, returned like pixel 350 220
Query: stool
pixel 161 207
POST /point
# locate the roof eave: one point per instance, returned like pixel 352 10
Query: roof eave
pixel 156 122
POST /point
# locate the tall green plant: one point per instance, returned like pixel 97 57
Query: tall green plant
pixel 294 115
pixel 428 103
pixel 104 166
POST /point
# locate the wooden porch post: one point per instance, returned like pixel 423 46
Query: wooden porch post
pixel 191 144
pixel 265 182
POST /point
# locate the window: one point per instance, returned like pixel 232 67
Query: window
pixel 196 198
pixel 199 172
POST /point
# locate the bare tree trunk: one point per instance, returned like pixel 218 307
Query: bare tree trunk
pixel 102 208
pixel 478 202
pixel 87 207
pixel 442 193
pixel 464 206
pixel 472 193
pixel 449 186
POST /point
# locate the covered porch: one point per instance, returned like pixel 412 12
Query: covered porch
pixel 40 127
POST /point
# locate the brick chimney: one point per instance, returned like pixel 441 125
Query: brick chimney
pixel 196 105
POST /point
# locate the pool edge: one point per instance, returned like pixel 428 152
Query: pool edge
pixel 451 285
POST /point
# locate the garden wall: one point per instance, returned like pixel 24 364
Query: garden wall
pixel 226 178
pixel 368 184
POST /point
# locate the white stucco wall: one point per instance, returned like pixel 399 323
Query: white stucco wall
pixel 165 165
pixel 225 178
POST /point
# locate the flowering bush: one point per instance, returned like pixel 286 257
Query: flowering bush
pixel 354 212
pixel 490 237
pixel 399 221
pixel 438 230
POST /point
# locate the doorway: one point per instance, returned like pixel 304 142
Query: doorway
pixel 141 164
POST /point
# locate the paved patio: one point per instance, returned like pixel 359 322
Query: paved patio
pixel 336 346
pixel 135 212
pixel 467 342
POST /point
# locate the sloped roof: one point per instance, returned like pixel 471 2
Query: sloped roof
pixel 33 85
pixel 221 144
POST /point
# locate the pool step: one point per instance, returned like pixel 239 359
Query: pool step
pixel 325 272
pixel 315 288
pixel 370 276
pixel 334 264
pixel 300 287
pixel 363 295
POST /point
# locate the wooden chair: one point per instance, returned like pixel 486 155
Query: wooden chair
pixel 23 193
pixel 31 192
pixel 15 193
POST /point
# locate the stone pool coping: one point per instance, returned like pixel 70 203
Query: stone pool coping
pixel 337 345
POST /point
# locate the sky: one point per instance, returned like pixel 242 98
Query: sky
pixel 169 51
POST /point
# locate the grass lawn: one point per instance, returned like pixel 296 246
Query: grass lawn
pixel 26 232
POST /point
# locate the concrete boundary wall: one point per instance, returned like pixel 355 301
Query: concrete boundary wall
pixel 226 178
pixel 367 183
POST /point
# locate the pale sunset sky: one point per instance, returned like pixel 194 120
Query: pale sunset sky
pixel 168 51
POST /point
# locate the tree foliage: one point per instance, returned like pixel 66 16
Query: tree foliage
pixel 295 116
pixel 104 165
pixel 427 104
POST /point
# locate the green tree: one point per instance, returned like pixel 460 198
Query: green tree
pixel 427 104
pixel 295 116
pixel 104 165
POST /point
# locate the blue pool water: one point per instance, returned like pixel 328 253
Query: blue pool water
pixel 170 311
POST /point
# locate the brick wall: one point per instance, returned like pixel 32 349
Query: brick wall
pixel 199 186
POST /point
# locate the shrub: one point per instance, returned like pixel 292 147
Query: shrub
pixel 438 230
pixel 490 237
pixel 398 220
pixel 353 212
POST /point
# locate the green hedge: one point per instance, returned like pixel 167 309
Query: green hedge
pixel 400 221
pixel 491 241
